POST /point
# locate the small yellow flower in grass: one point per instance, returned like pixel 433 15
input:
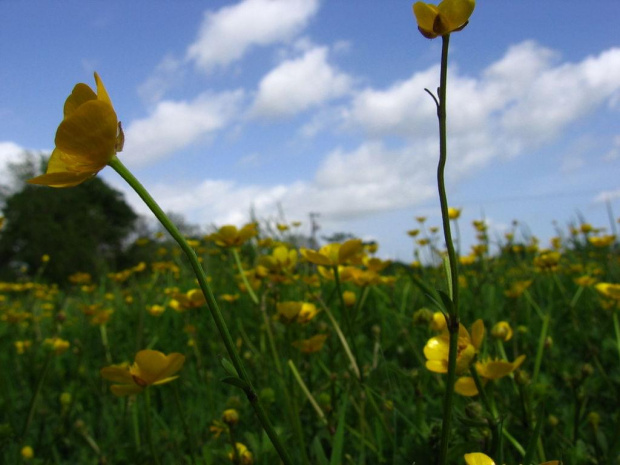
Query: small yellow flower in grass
pixel 288 311
pixel 335 253
pixel 447 17
pixel 57 344
pixel 438 322
pixel 230 417
pixel 454 213
pixel 244 456
pixel 27 453
pixel 309 346
pixel 488 370
pixel 230 236
pixel 478 458
pixel 349 298
pixel 437 348
pixel 609 290
pixel 150 367
pixel 86 140
pixel 307 313
pixel 155 310
pixel 502 330
pixel 517 289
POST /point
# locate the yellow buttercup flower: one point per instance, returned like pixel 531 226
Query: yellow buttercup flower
pixel 437 348
pixel 488 370
pixel 309 346
pixel 230 236
pixel 502 330
pixel 335 254
pixel 88 137
pixel 150 367
pixel 454 213
pixel 447 17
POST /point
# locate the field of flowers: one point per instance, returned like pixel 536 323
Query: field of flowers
pixel 258 346
pixel 346 353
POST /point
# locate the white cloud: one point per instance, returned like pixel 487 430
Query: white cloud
pixel 298 84
pixel 520 102
pixel 174 125
pixel 227 34
pixel 167 73
pixel 10 153
pixel 607 196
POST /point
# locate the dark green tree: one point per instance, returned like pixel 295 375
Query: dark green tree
pixel 81 228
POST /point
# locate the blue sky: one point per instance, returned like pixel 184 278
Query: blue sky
pixel 319 106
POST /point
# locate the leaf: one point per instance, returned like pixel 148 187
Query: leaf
pixel 337 445
pixel 235 381
pixel 229 367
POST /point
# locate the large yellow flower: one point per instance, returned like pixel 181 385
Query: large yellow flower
pixel 437 348
pixel 150 367
pixel 86 140
pixel 230 236
pixel 447 17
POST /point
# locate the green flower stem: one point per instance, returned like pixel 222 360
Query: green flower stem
pixel 212 305
pixel 453 320
pixel 36 395
pixel 541 346
pixel 244 278
pixel 617 330
pixel 347 320
pixel 343 341
pixel 147 420
pixel 188 435
pixel 307 392
pixel 104 341
pixel 135 425
pixel 495 424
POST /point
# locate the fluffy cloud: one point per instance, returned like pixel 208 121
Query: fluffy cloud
pixel 10 153
pixel 298 84
pixel 227 34
pixel 174 125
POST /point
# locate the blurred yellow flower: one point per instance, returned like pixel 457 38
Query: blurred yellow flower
pixel 602 241
pixel 27 453
pixel 488 370
pixel 150 367
pixel 349 298
pixel 609 290
pixel 478 458
pixel 502 330
pixel 230 236
pixel 447 17
pixel 57 344
pixel 437 348
pixel 86 140
pixel 335 254
pixel 309 346
pixel 438 322
pixel 230 417
pixel 454 213
pixel 243 455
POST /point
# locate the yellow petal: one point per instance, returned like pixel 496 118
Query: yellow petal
pixel 478 458
pixel 153 366
pixel 89 133
pixel 81 94
pixel 456 13
pixel 67 179
pixel 466 386
pixel 477 334
pixel 437 348
pixel 315 257
pixel 349 249
pixel 102 93
pixel 117 374
pixel 425 15
pixel 465 358
pixel 437 366
pixel 165 380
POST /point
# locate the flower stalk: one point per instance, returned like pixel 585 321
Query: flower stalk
pixel 212 305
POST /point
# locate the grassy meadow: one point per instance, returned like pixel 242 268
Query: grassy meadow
pixel 338 352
